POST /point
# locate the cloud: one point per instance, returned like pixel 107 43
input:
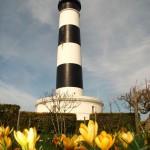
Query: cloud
pixel 27 54
pixel 120 74
pixel 115 43
pixel 37 53
pixel 44 11
pixel 29 40
pixel 11 95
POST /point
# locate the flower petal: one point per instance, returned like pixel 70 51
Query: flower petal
pixel 20 138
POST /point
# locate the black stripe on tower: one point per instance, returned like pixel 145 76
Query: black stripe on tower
pixel 69 75
pixel 63 4
pixel 69 33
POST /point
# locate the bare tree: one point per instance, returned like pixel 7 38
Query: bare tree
pixel 143 97
pixel 59 104
pixel 137 99
pixel 117 105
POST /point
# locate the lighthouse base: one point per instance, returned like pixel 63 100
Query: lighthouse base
pixel 82 106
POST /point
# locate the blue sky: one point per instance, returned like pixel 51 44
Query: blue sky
pixel 115 43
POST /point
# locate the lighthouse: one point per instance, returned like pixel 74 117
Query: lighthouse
pixel 69 63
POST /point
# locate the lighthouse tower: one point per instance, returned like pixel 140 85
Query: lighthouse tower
pixel 69 63
pixel 69 67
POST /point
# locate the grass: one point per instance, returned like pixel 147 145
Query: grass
pixel 45 142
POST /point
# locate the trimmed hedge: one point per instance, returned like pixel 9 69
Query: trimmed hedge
pixel 43 121
pixel 9 114
pixel 110 122
pixel 113 122
pixel 27 119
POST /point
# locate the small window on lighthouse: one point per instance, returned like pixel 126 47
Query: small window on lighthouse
pixel 93 109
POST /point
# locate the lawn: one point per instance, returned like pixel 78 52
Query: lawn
pixel 45 142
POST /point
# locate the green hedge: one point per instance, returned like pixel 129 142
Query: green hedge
pixel 43 121
pixel 113 122
pixel 9 114
pixel 110 122
pixel 27 119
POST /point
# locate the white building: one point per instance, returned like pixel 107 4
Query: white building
pixel 85 106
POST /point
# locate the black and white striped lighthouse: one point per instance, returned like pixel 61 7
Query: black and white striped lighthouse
pixel 69 64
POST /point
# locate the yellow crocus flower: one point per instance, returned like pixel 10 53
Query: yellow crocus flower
pixel 25 132
pixel 5 131
pixel 62 136
pixel 1 147
pixel 5 143
pixel 89 132
pixel 104 141
pixel 20 138
pixel 1 130
pixel 8 142
pixel 27 139
pixel 70 144
pixel 126 138
pixel 56 140
pixel 32 138
pixel 80 147
pixel 2 144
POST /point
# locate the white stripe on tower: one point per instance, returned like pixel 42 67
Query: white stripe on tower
pixel 69 65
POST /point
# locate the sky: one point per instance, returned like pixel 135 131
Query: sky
pixel 115 44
